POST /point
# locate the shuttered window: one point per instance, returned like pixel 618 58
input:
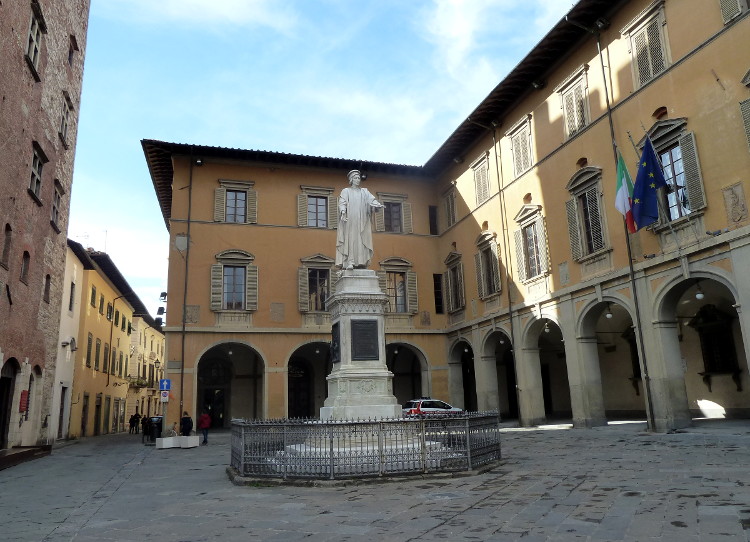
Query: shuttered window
pixel 532 258
pixel 647 42
pixel 585 223
pixel 395 216
pixel 574 109
pixel 399 283
pixel 235 202
pixel 449 204
pixel 487 266
pixel 481 180
pixel 317 207
pixel 521 146
pixel 745 111
pixel 234 282
pixel 453 283
pixel 731 9
pixel 314 289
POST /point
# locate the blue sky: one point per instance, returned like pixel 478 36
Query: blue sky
pixel 382 80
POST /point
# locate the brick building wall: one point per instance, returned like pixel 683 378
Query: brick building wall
pixel 42 46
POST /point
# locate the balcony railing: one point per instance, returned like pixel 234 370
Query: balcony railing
pixel 137 382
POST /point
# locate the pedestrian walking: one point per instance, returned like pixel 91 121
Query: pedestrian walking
pixel 137 421
pixel 132 424
pixel 146 426
pixel 186 424
pixel 204 422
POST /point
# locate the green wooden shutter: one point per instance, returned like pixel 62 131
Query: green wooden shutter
pixel 495 267
pixel 251 288
pixel 333 212
pixel 252 207
pixel 406 209
pixel 573 230
pixel 541 235
pixel 217 279
pixel 745 110
pixel 691 165
pixel 595 217
pixel 730 9
pixel 379 219
pixel 304 289
pixel 447 294
pixel 461 295
pixel 480 277
pixel 411 288
pixel 220 197
pixel 520 255
pixel 301 209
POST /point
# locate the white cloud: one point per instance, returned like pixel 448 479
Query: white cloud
pixel 275 14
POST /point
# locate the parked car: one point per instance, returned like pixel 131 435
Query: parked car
pixel 427 406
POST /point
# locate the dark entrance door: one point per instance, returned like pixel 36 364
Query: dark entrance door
pixel 469 380
pixel 98 415
pixel 214 386
pixel 84 414
pixel 7 380
pixel 510 383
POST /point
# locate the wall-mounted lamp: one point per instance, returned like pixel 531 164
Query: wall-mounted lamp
pixel 157 364
pixel 608 314
pixel 502 340
pixel 466 349
pixel 458 160
pixel 199 162
pixel 160 311
pixel 538 84
pixel 395 352
pixel 64 344
pixel 546 327
pixel 163 296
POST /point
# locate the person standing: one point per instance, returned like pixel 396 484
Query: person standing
pixel 146 426
pixel 186 424
pixel 137 421
pixel 354 232
pixel 204 422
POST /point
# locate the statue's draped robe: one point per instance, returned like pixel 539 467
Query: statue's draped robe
pixel 354 237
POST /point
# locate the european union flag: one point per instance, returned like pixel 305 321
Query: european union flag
pixel 649 179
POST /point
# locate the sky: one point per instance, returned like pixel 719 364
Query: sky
pixel 379 80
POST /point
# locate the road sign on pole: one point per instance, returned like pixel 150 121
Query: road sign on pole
pixel 165 384
pixel 165 396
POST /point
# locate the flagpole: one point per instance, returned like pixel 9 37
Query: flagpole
pixel 631 270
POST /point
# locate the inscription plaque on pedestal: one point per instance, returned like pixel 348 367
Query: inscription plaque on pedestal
pixel 364 339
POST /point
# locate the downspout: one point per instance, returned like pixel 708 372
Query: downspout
pixel 185 286
pixel 631 270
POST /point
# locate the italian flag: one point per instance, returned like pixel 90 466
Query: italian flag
pixel 624 195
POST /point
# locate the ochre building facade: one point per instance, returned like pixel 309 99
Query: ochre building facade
pixel 511 280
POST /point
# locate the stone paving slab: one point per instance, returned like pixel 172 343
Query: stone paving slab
pixel 617 483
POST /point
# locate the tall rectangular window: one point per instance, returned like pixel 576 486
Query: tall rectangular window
pixel 520 141
pixel 647 44
pixel 93 296
pixel 396 291
pixel 97 353
pixel 89 347
pixel 531 251
pixel 449 203
pixel 236 206
pixel 105 359
pixel 101 304
pixel 67 109
pixel 433 215
pixel 55 211
pixel 437 287
pixel 317 211
pixel 234 288
pixel 318 288
pixel 34 42
pixel 481 180
pixel 37 164
pixel 392 216
pixel 678 204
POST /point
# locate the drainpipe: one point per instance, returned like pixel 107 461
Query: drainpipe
pixel 185 286
pixel 603 24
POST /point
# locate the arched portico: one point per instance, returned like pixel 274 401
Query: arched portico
pixel 462 377
pixel 496 382
pixel 409 368
pixel 307 389
pixel 230 383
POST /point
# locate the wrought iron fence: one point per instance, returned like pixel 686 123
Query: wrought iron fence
pixel 313 449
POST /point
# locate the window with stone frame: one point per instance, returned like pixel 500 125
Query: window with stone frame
pixel 89 347
pixel 105 359
pixel 586 227
pixel 234 282
pixel 399 282
pixel 395 216
pixel 235 202
pixel 38 159
pixel 531 243
pixel 676 149
pixel 731 9
pixel 314 284
pixel 647 43
pixel 520 144
pixel 97 353
pixel 573 93
pixel 56 203
pixel 481 170
pixel 317 207
pixel 487 265
pixel 453 283
pixel 93 296
pixel 65 114
pixel 37 28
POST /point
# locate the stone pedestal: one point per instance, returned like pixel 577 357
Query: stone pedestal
pixel 360 385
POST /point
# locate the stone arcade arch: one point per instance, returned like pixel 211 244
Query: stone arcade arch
pixel 611 380
pixel 8 381
pixel 500 369
pixel 410 374
pixel 230 383
pixel 307 389
pixel 462 377
pixel 542 372
pixel 703 365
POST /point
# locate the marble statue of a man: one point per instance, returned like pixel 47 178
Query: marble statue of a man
pixel 354 235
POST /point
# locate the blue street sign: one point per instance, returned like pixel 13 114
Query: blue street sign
pixel 165 384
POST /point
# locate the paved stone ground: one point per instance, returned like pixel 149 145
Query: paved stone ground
pixel 613 483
